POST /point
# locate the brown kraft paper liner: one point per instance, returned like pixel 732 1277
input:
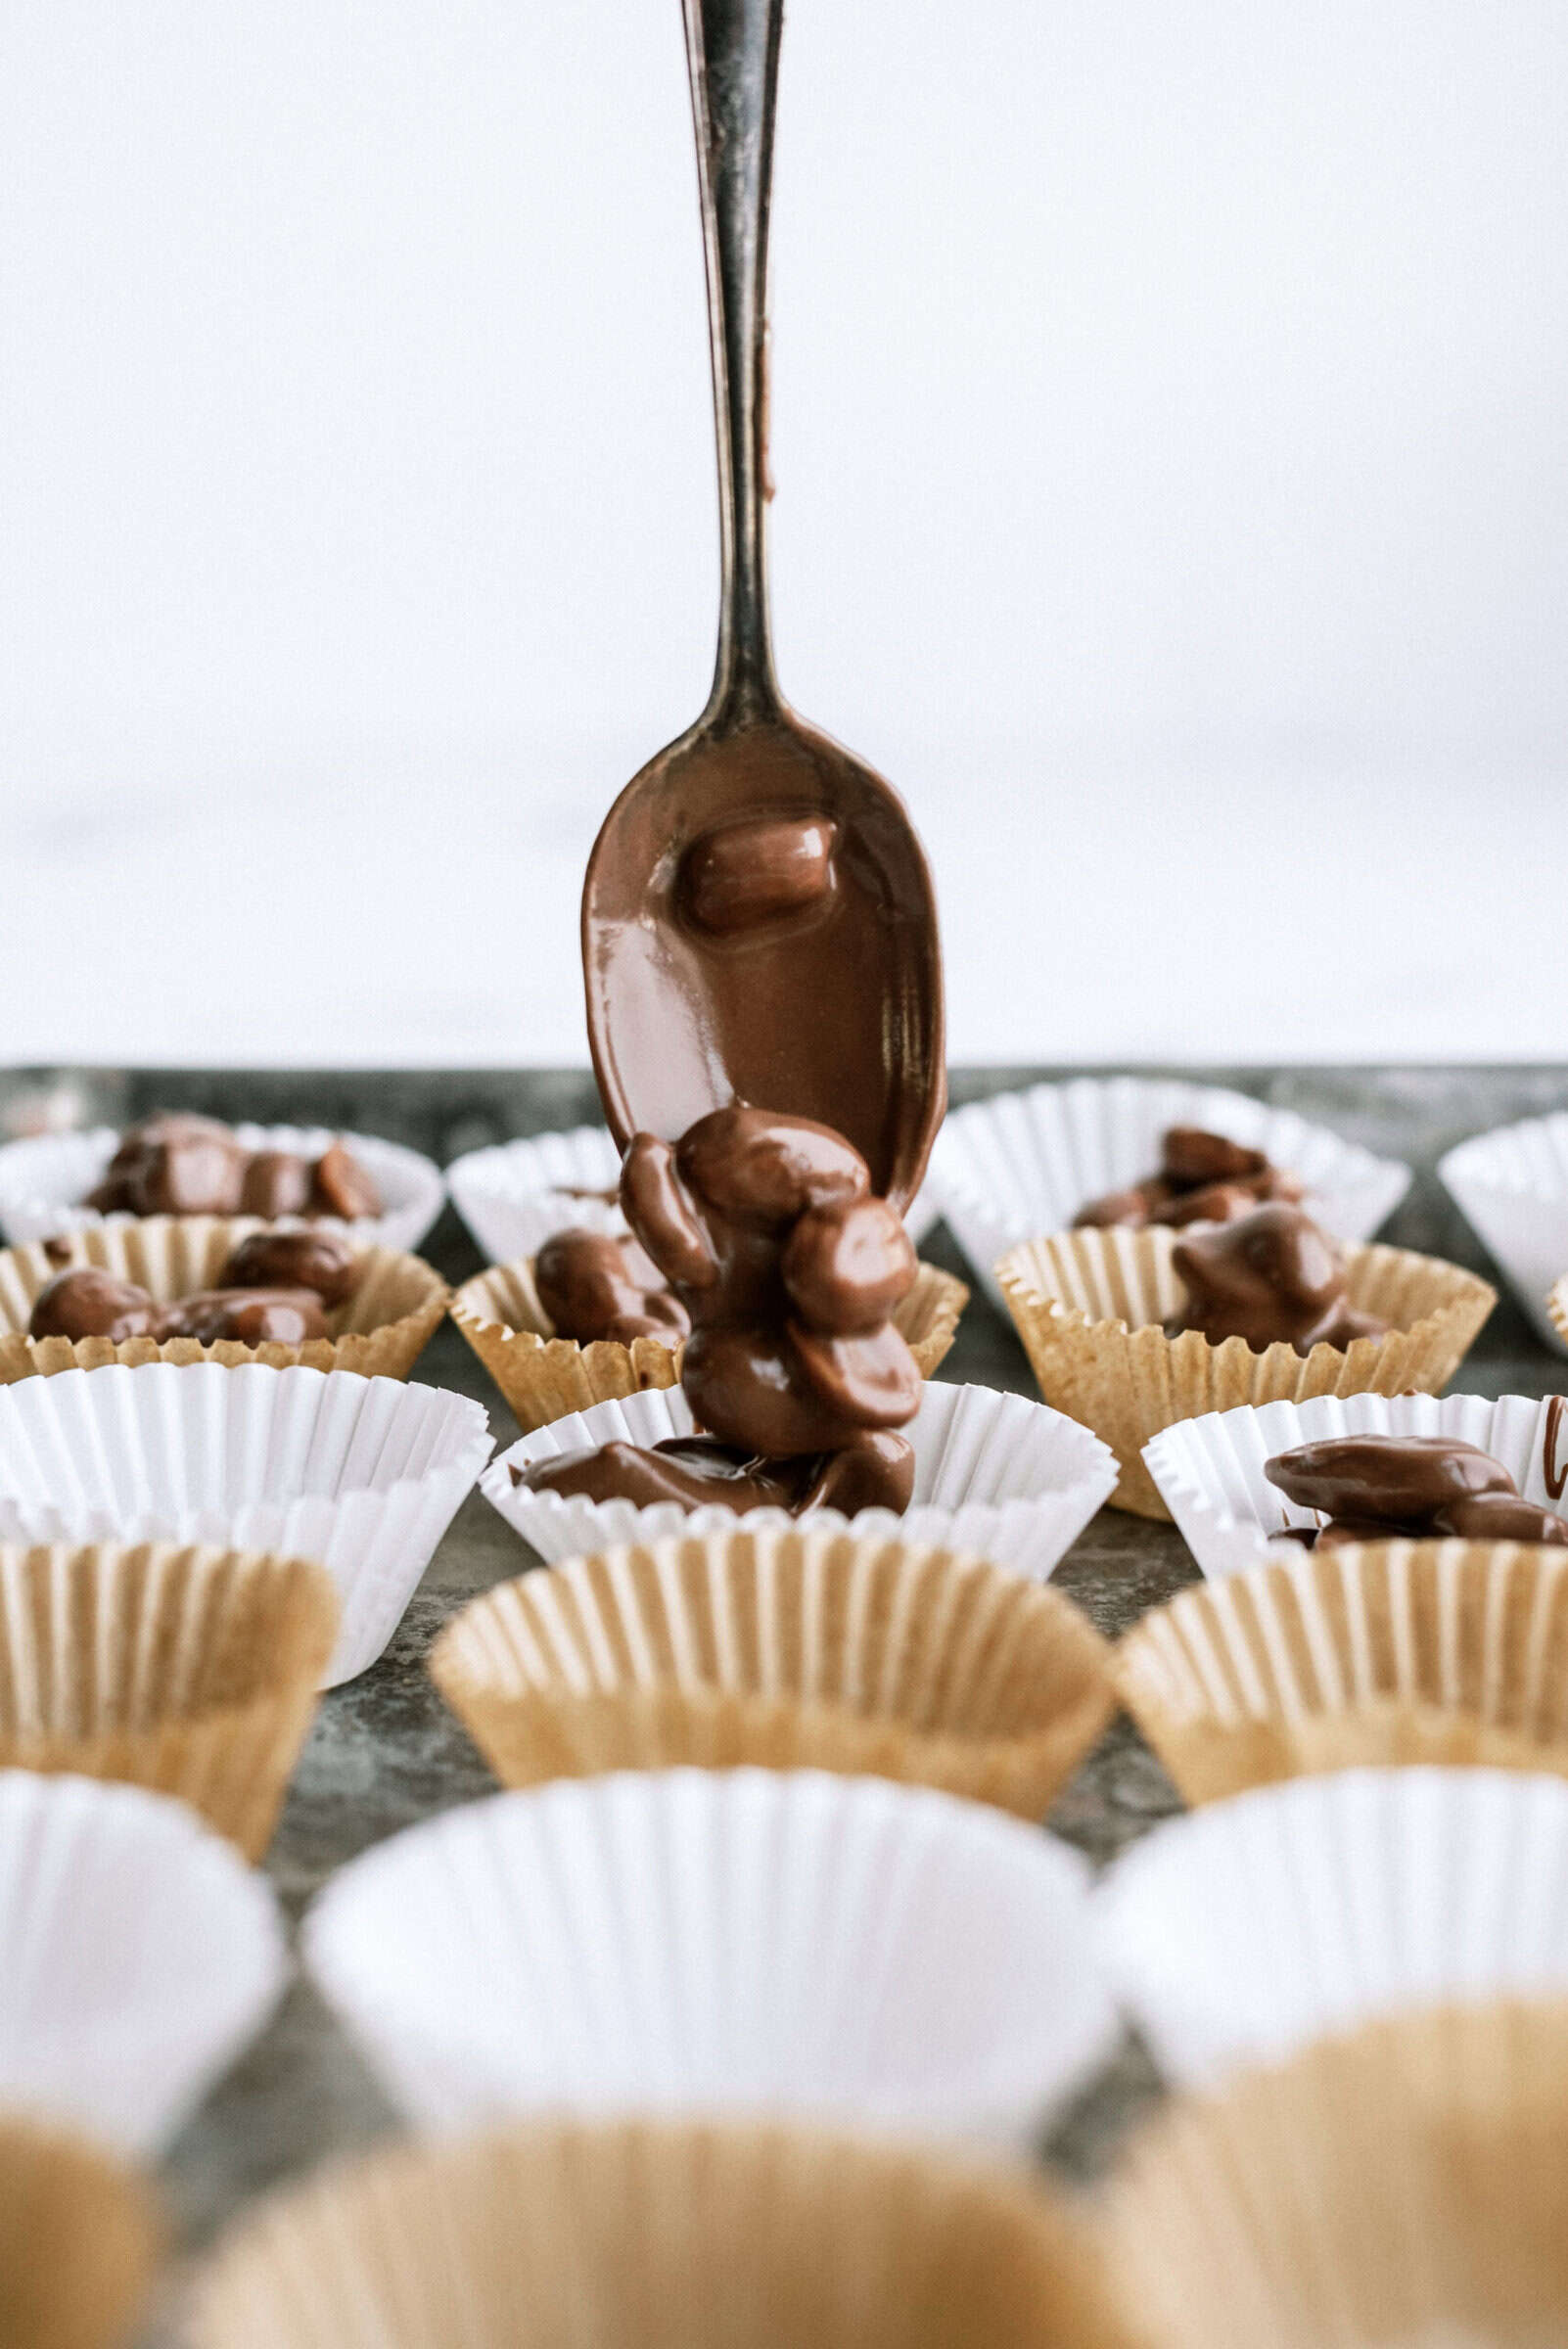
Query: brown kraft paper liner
pixel 1452 1652
pixel 1558 1306
pixel 190 1671
pixel 80 2239
pixel 650 2235
pixel 545 1377
pixel 786 1649
pixel 380 1332
pixel 1406 2183
pixel 1089 1308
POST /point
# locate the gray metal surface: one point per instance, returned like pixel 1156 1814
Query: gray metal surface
pixel 385 1753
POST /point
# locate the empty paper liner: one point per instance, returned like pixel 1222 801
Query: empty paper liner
pixel 381 1330
pixel 708 1941
pixel 1512 1187
pixel 44 1180
pixel 78 2244
pixel 1089 1308
pixel 650 2237
pixel 1005 1170
pixel 1211 1471
pixel 138 1955
pixel 193 1672
pixel 1452 1652
pixel 545 1377
pixel 996 1476
pixel 1402 2187
pixel 786 1649
pixel 362 1474
pixel 1240 1933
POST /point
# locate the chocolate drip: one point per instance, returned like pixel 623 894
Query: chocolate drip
pixel 876 1472
pixel 1413 1488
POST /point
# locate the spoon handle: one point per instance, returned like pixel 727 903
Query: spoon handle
pixel 733 56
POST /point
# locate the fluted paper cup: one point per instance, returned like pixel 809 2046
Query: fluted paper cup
pixel 645 2235
pixel 381 1330
pixel 44 1180
pixel 786 1649
pixel 1511 1186
pixel 1005 1170
pixel 1452 1652
pixel 138 1955
pixel 78 2244
pixel 700 1941
pixel 1089 1308
pixel 362 1474
pixel 190 1671
pixel 514 1196
pixel 996 1476
pixel 1401 2186
pixel 1239 1934
pixel 1210 1470
pixel 545 1377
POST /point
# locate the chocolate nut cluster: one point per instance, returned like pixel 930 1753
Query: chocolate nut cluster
pixel 592 1286
pixel 276 1287
pixel 176 1164
pixel 1203 1179
pixel 1411 1487
pixel 1271 1277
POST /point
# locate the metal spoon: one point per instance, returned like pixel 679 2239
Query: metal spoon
pixel 758 917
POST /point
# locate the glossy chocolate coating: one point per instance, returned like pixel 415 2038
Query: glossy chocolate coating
pixel 593 1285
pixel 173 1163
pixel 343 1186
pixel 89 1303
pixel 277 1182
pixel 317 1259
pixel 874 1472
pixel 1395 1478
pixel 253 1317
pixel 1414 1487
pixel 758 926
pixel 1272 1277
pixel 771 1370
pixel 1203 1179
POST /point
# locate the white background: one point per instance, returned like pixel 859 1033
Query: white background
pixel 1169 425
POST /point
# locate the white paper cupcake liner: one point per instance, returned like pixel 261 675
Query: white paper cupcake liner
pixel 996 1476
pixel 138 1955
pixel 1210 1470
pixel 1020 1165
pixel 514 1194
pixel 1254 1926
pixel 44 1180
pixel 701 1941
pixel 362 1474
pixel 1511 1186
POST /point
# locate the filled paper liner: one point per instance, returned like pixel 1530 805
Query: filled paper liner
pixel 688 1940
pixel 997 1475
pixel 1211 1471
pixel 1240 1933
pixel 138 1955
pixel 78 2244
pixel 1405 2184
pixel 44 1180
pixel 1511 1186
pixel 1024 1162
pixel 363 1475
pixel 380 1332
pixel 1452 1652
pixel 192 1671
pixel 545 1377
pixel 648 2236
pixel 786 1649
pixel 1090 1306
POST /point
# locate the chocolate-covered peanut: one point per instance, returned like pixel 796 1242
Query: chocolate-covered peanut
pixel 1204 1177
pixel 1411 1488
pixel 1272 1277
pixel 89 1303
pixel 593 1285
pixel 758 870
pixel 310 1258
pixel 247 1317
pixel 175 1163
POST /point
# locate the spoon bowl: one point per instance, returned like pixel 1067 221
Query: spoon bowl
pixel 758 920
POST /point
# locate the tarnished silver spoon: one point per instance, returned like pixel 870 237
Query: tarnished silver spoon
pixel 758 918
